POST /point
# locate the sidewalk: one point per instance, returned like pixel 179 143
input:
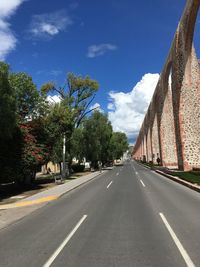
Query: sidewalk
pixel 10 213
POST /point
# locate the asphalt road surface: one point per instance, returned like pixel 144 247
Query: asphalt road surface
pixel 128 216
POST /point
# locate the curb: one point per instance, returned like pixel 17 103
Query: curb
pixel 25 203
pixel 174 178
pixel 180 181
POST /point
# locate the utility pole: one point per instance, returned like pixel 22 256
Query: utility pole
pixel 64 152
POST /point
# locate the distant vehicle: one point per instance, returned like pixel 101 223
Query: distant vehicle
pixel 118 162
pixel 87 165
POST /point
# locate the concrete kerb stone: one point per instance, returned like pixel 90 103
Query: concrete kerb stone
pixel 51 194
pixel 174 178
pixel 180 181
pixel 9 216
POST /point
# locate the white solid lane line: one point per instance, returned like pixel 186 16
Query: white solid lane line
pixel 142 183
pixel 63 244
pixel 183 252
pixel 109 184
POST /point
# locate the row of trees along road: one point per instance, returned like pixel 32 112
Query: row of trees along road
pixel 32 129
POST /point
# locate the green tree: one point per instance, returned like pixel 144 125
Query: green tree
pixel 77 148
pixel 76 96
pixel 7 104
pixel 118 144
pixel 97 135
pixel 10 150
pixel 58 121
pixel 30 104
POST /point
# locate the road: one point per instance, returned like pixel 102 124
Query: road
pixel 129 216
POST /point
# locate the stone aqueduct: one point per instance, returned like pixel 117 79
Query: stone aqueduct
pixel 171 127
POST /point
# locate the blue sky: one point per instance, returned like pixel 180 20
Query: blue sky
pixel 116 42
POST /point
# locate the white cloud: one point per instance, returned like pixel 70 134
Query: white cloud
pixel 8 7
pixel 53 99
pixel 127 110
pixel 7 39
pixel 49 24
pixel 97 106
pixel 99 50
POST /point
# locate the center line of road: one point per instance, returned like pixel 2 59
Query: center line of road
pixel 183 252
pixel 109 184
pixel 63 244
pixel 142 183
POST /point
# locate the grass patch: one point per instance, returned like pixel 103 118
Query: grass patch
pixel 192 176
pixel 150 164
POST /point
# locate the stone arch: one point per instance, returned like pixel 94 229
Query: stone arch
pixel 167 124
pixel 155 140
pixel 185 98
pixel 186 91
pixel 149 152
pixel 144 148
pixel 191 11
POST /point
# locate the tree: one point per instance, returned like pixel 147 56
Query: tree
pixel 76 96
pixel 118 144
pixel 7 104
pixel 30 104
pixel 97 134
pixel 35 150
pixel 77 147
pixel 58 121
pixel 9 149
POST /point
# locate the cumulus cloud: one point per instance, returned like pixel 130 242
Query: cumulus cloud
pixel 100 50
pixel 126 110
pixel 49 24
pixel 8 40
pixel 97 106
pixel 53 99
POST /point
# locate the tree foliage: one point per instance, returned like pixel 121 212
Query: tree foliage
pixel 32 129
pixel 7 104
pixel 76 96
pixel 21 107
pixel 27 95
pixel 77 144
pixel 118 144
pixel 97 134
pixel 96 140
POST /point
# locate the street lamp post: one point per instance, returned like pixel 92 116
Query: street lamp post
pixel 64 163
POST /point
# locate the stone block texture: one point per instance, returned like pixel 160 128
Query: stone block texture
pixel 171 127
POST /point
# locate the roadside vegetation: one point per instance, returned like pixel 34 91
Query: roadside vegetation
pixel 190 176
pixel 32 128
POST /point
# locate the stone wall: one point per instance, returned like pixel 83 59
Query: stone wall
pixel 171 127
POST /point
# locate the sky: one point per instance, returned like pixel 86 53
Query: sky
pixel 123 44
